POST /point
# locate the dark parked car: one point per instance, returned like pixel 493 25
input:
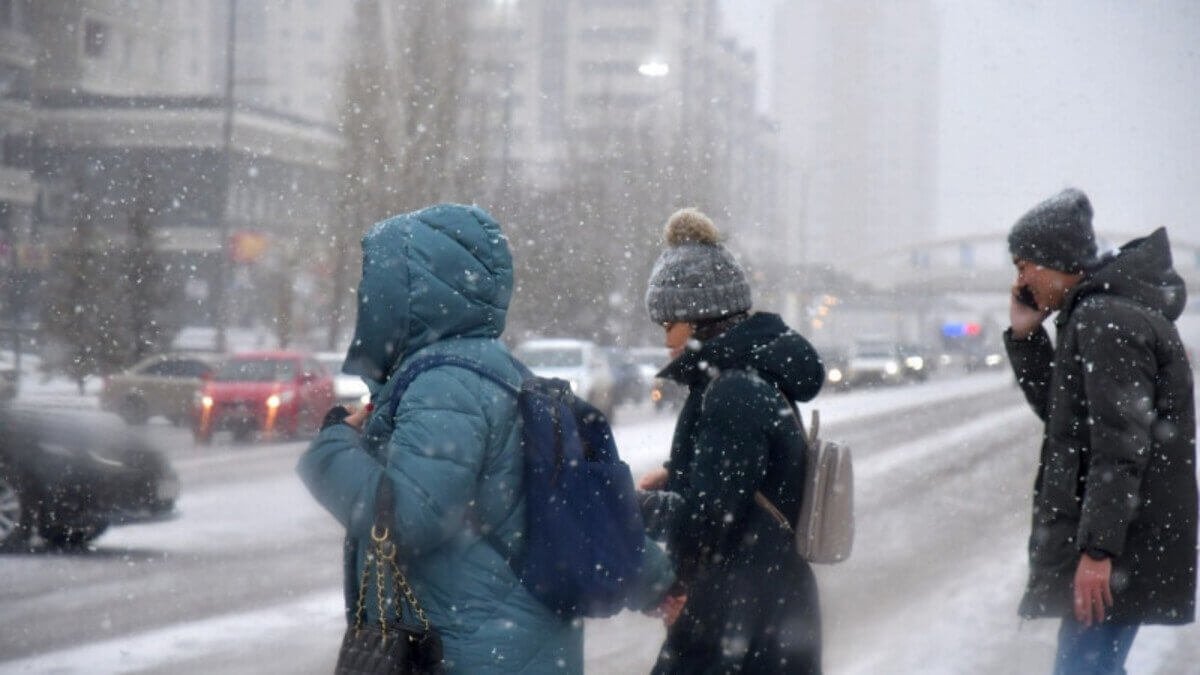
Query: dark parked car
pixel 627 377
pixel 69 481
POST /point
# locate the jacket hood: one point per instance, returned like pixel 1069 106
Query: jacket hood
pixel 762 342
pixel 1141 271
pixel 441 272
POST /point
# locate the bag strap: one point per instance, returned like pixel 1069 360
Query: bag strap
pixel 383 555
pixel 768 506
pixel 424 363
pixel 384 497
pixel 383 549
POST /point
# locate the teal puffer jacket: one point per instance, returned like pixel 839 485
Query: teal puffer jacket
pixel 438 281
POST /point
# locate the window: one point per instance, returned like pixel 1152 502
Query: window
pixel 616 34
pixel 179 368
pixel 256 370
pixel 15 82
pixel 95 38
pixel 193 368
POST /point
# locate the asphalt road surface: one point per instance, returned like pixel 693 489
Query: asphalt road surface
pixel 247 579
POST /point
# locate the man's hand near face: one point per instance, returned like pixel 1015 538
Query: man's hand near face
pixel 1023 318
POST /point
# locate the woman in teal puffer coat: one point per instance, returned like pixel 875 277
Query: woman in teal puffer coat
pixel 438 281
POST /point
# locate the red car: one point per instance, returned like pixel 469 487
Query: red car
pixel 276 394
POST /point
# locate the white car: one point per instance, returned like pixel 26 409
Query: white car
pixel 579 362
pixel 875 362
pixel 650 360
pixel 347 389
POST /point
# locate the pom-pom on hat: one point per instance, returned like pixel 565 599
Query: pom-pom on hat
pixel 1056 233
pixel 695 279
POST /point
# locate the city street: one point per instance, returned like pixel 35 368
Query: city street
pixel 248 578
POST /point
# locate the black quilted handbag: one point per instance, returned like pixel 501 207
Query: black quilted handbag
pixel 388 647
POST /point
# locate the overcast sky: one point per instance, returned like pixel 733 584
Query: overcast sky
pixel 1035 96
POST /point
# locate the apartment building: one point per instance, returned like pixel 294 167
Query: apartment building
pixel 127 104
pixel 572 76
pixel 18 189
pixel 856 98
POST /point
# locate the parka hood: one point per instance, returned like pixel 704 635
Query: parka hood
pixel 1141 271
pixel 762 342
pixel 441 272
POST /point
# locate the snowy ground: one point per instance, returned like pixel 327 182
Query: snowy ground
pixel 252 566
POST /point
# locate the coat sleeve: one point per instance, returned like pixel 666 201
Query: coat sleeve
pixel 1119 366
pixel 434 457
pixel 1031 360
pixel 658 575
pixel 731 457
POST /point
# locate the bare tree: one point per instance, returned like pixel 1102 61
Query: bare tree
pixel 113 301
pixel 405 143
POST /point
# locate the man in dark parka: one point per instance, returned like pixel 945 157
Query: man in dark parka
pixel 1113 543
pixel 749 602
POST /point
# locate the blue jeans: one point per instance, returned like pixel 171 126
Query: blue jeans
pixel 1099 650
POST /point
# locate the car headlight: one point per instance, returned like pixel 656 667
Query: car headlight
pixel 993 359
pixel 835 375
pixel 915 362
pixel 891 367
pixel 282 398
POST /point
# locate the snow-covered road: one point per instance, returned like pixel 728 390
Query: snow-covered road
pixel 247 580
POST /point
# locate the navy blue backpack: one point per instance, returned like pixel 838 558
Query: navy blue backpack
pixel 584 534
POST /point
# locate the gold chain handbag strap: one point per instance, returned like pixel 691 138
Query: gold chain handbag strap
pixel 383 552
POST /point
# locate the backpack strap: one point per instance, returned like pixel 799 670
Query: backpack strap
pixel 424 363
pixel 406 378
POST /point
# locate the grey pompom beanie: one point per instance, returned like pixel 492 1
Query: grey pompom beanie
pixel 695 279
pixel 1056 233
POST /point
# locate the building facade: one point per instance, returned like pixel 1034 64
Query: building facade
pixel 18 188
pixel 613 80
pixel 124 107
pixel 856 96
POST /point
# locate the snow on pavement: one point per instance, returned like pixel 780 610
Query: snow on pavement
pixel 209 522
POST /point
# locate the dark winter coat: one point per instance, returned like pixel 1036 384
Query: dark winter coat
pixel 752 602
pixel 1118 459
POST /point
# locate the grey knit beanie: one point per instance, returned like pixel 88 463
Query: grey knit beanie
pixel 1056 233
pixel 695 279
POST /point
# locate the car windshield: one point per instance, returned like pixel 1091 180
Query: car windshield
pixel 874 350
pixel 256 370
pixel 332 364
pixel 551 357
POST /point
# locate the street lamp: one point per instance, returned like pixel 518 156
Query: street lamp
pixel 221 290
